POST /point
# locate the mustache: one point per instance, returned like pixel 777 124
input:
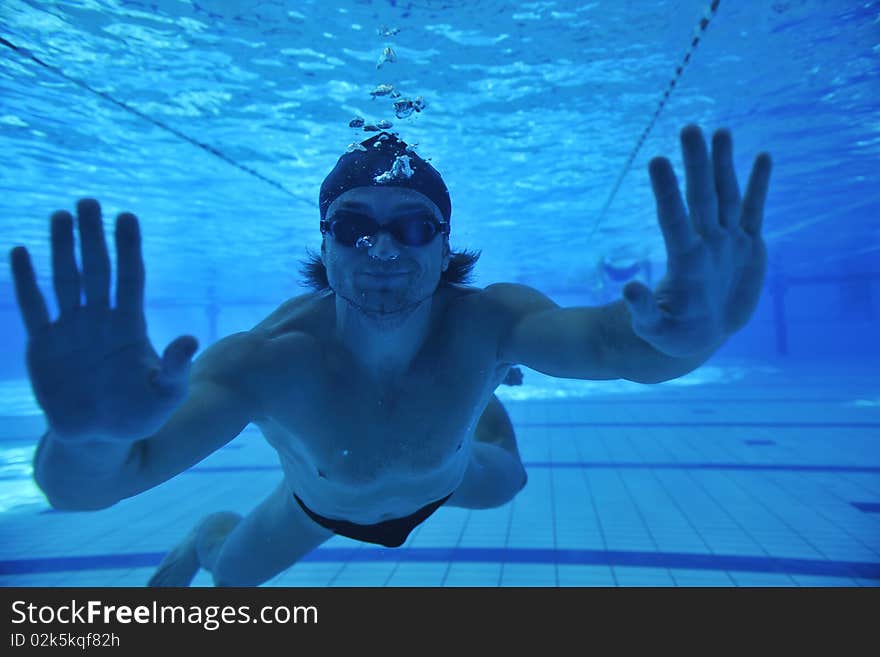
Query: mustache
pixel 391 268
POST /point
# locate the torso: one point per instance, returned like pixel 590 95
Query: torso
pixel 358 449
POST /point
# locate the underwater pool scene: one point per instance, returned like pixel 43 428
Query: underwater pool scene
pixel 216 122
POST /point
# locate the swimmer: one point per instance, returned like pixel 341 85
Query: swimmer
pixel 377 387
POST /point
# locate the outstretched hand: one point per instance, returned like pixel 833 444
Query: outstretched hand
pixel 716 256
pixel 93 369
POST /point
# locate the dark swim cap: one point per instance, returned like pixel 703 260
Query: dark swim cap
pixel 385 162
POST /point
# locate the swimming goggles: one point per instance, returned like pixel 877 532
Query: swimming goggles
pixel 356 229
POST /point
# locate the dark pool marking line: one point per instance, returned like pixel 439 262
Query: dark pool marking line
pixel 663 425
pixel 33 441
pixel 583 465
pixel 749 467
pixel 686 401
pixel 867 507
pixel 613 465
pixel 534 556
pixel 27 54
pixel 644 398
pixel 751 425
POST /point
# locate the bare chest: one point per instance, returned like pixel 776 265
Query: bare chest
pixel 349 428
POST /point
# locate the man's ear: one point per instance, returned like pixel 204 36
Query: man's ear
pixel 447 256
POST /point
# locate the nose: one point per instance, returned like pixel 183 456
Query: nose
pixel 384 247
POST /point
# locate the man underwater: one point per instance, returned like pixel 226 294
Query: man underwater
pixel 376 390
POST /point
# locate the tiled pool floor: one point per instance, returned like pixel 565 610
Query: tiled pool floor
pixel 769 480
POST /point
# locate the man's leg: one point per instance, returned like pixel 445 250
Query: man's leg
pixel 244 551
pixel 495 428
pixel 496 473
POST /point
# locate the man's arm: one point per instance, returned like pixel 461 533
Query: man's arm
pixel 94 474
pixel 714 274
pixel 595 343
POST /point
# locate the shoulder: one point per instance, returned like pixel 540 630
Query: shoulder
pixel 285 332
pixel 300 312
pixel 501 308
pixel 515 300
pixel 500 296
pixel 227 359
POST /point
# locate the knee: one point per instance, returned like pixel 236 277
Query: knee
pixel 249 560
pixel 224 581
pixel 505 493
pixel 232 563
pixel 211 536
pixel 519 482
pixel 232 575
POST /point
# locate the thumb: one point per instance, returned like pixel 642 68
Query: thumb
pixel 176 361
pixel 642 307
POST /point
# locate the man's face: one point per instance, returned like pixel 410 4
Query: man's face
pixel 387 277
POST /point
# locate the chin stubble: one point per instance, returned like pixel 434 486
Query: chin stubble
pixel 382 315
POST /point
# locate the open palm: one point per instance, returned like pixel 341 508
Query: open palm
pixel 716 255
pixel 93 370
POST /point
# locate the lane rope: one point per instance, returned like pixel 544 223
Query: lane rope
pixel 700 29
pixel 146 117
pixel 698 32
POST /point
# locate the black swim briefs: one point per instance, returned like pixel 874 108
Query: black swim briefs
pixel 390 533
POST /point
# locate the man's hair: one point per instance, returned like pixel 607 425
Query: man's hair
pixel 460 269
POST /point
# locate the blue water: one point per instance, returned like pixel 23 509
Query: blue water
pixel 761 467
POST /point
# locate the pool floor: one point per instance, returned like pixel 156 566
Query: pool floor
pixel 772 480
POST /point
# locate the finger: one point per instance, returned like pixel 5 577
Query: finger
pixel 129 265
pixel 726 186
pixel 95 260
pixel 27 293
pixel 176 362
pixel 678 234
pixel 756 194
pixel 65 275
pixel 643 309
pixel 700 193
